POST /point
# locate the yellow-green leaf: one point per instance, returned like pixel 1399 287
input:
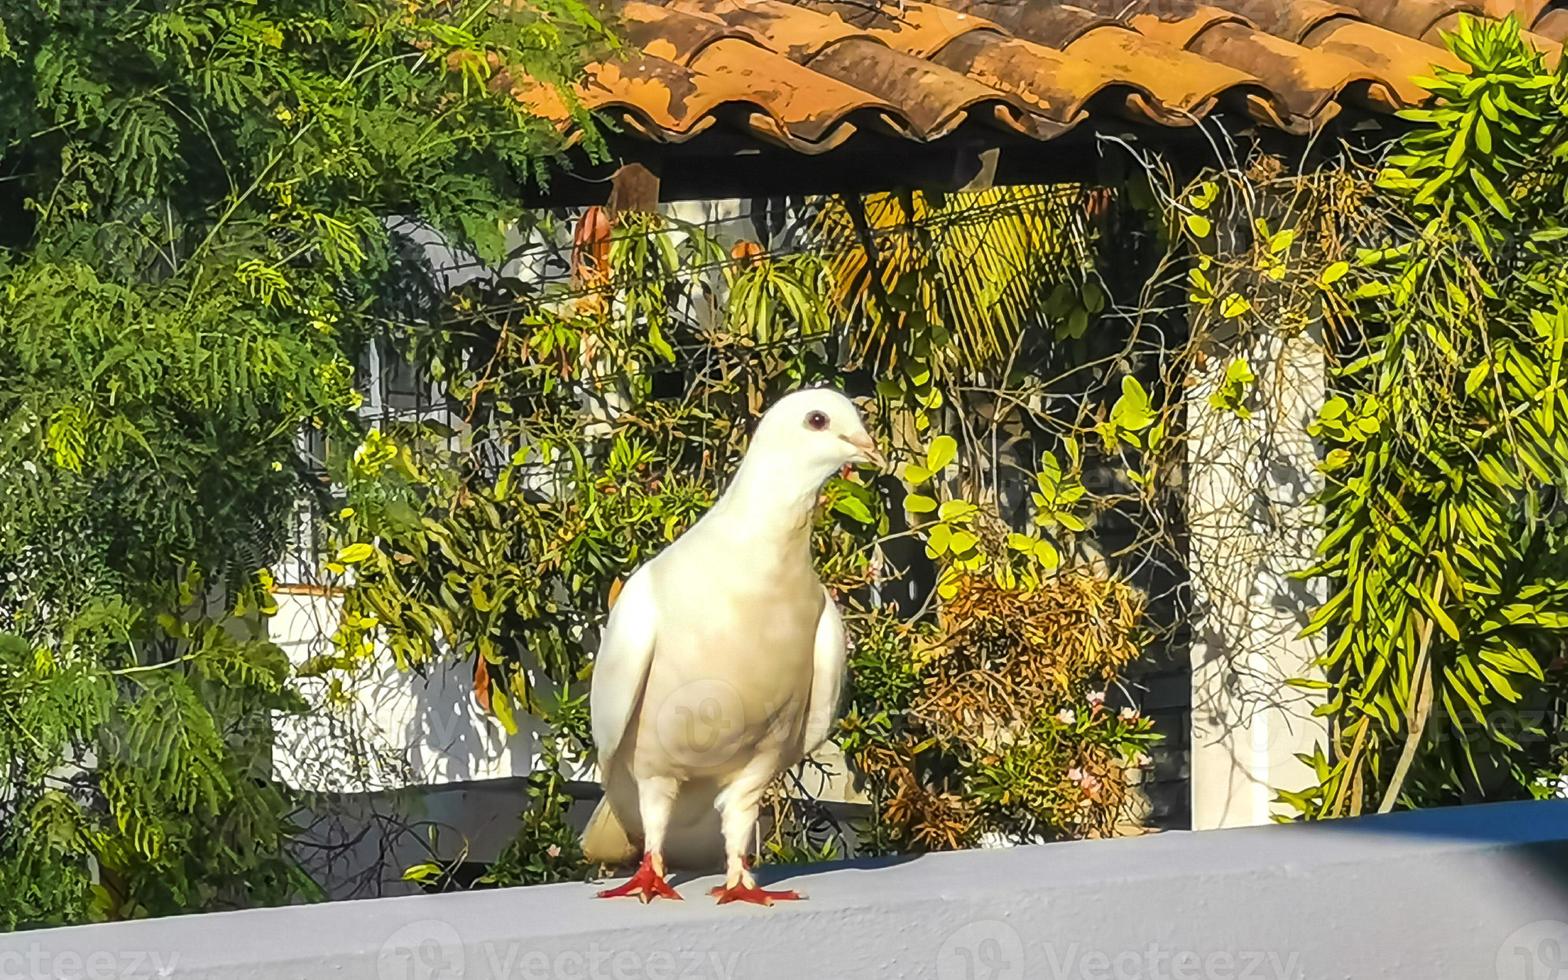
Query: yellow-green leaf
pixel 1443 620
pixel 961 542
pixel 1045 553
pixel 1334 273
pixel 919 503
pixel 938 540
pixel 957 511
pixel 355 553
pixel 501 706
pixel 1235 305
pixel 944 449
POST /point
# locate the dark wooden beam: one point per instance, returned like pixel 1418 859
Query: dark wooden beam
pixel 729 163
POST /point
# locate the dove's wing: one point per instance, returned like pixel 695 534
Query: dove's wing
pixel 827 675
pixel 621 668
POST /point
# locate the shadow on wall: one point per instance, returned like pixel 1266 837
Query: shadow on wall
pixel 408 756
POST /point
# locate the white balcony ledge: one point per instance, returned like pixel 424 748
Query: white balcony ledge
pixel 1469 894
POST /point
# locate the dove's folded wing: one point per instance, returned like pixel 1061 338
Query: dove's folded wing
pixel 620 671
pixel 827 675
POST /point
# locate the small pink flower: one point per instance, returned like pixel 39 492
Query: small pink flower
pixel 1075 774
pixel 1096 699
pixel 1129 714
pixel 1067 716
pixel 554 850
pixel 1090 783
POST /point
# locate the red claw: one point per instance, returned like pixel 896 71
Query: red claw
pixel 647 884
pixel 753 895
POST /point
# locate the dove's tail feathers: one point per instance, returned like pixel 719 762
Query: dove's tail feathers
pixel 605 841
pixel 692 842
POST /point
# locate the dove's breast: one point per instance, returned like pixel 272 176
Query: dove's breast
pixel 730 681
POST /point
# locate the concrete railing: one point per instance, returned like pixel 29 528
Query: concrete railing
pixel 1477 893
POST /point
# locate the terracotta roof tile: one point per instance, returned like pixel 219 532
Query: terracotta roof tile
pixel 920 29
pixel 1055 25
pixel 1182 87
pixel 935 100
pixel 808 74
pixel 1308 83
pixel 1416 18
pixel 796 106
pixel 1528 11
pixel 1393 58
pixel 1058 85
pixel 1554 25
pixel 657 97
pixel 673 35
pixel 1292 20
pixel 795 32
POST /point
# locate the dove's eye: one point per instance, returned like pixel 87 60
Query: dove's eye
pixel 816 420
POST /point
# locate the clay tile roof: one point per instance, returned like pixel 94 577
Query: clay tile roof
pixel 807 74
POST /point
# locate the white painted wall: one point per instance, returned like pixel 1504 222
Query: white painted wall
pixel 1251 525
pixel 398 729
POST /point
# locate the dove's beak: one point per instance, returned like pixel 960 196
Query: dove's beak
pixel 867 449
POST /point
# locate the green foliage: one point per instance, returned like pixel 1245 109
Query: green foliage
pixel 945 285
pixel 1231 395
pixel 778 299
pixel 513 575
pixel 546 847
pixel 1493 141
pixel 194 241
pixel 1131 416
pixel 1448 456
pixel 962 536
pixel 994 723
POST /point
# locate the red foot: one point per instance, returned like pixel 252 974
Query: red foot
pixel 646 884
pixel 754 895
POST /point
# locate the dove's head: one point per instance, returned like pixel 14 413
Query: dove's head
pixel 818 430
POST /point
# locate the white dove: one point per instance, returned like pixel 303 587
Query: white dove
pixel 722 662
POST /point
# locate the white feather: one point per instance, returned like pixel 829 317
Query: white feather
pixel 621 669
pixel 827 677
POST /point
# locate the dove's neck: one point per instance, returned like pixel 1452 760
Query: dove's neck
pixel 771 499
